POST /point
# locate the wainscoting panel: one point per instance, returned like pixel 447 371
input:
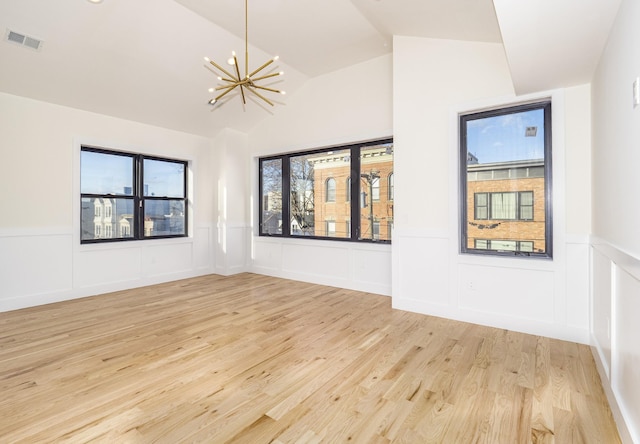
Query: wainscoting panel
pixel 626 348
pixel 202 249
pixel 316 259
pixel 266 255
pixel 371 268
pixel 513 292
pixel 166 260
pixel 107 264
pixel 602 304
pixel 422 270
pixel 615 330
pixel 363 267
pixel 577 284
pixel 236 261
pixel 34 266
pixel 529 295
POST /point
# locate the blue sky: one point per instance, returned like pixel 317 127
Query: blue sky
pixel 105 173
pixel 502 138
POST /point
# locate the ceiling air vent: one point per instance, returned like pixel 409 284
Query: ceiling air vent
pixel 24 40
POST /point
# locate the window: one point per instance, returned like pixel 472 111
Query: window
pixel 271 192
pixel 390 186
pixel 376 230
pixel 375 189
pixel 127 196
pixel 316 205
pixel 331 190
pixel 330 227
pixel 504 245
pixel 506 181
pixel 506 206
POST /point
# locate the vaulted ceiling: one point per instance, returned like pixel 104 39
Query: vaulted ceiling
pixel 142 60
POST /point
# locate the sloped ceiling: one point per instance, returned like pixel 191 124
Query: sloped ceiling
pixel 142 60
pixel 554 43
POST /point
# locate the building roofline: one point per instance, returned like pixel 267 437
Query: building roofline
pixel 505 165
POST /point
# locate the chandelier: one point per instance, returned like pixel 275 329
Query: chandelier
pixel 248 82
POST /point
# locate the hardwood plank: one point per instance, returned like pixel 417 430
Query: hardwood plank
pixel 255 359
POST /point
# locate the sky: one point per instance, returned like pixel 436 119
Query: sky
pixel 502 138
pixel 103 173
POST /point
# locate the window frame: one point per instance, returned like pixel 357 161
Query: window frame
pixel 354 204
pixel 463 119
pixel 138 197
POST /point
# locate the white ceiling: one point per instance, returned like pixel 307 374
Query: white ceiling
pixel 142 60
pixel 554 43
pixel 320 37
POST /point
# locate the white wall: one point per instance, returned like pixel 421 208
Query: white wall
pixel 345 106
pixel 234 176
pixel 41 259
pixel 616 244
pixel 434 81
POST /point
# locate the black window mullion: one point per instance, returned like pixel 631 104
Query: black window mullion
pixel 286 196
pixel 355 193
pixel 139 197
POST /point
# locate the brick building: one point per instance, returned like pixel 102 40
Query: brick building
pixel 332 193
pixel 506 206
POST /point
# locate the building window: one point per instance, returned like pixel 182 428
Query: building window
pixel 147 196
pixel 504 245
pixel 504 206
pixel 375 189
pixel 376 230
pixel 107 209
pixel 348 190
pixel 312 183
pixel 330 194
pixel 330 228
pixel 506 181
pixel 390 186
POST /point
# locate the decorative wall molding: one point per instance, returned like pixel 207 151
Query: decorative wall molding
pixel 615 331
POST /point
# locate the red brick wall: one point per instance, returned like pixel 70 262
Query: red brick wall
pixel 508 230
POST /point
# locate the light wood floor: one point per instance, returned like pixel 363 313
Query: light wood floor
pixel 256 359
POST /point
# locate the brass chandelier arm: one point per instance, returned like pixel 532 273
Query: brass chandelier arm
pixel 261 96
pixel 267 76
pixel 268 89
pixel 261 68
pixel 220 88
pixel 229 89
pixel 220 68
pixel 235 64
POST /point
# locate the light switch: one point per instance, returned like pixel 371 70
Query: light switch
pixel 636 92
